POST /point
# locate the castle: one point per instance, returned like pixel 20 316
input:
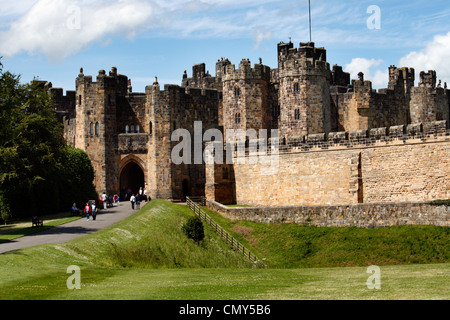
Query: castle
pixel 333 132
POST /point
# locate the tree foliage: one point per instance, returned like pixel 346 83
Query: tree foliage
pixel 36 164
pixel 194 229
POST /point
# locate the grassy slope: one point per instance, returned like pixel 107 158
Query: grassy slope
pixel 295 246
pixel 147 257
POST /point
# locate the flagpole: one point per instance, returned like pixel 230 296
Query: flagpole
pixel 310 33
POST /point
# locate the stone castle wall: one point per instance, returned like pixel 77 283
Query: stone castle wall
pixel 396 164
pixel 340 142
pixel 371 215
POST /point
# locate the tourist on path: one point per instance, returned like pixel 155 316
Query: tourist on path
pixel 87 210
pixel 104 199
pixel 94 211
pixel 132 200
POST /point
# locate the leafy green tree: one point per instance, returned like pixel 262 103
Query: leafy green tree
pixel 194 229
pixel 78 171
pixel 35 162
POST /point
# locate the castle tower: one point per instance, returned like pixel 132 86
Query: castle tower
pixel 304 90
pixel 96 110
pixel 159 152
pixel 401 81
pixel 246 96
pixel 428 101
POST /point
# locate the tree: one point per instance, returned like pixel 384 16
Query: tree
pixel 78 177
pixel 35 161
pixel 194 229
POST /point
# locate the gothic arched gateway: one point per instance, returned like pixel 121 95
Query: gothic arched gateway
pixel 132 178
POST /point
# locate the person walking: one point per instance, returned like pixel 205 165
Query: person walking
pixel 132 200
pixel 138 202
pixel 94 211
pixel 87 210
pixel 104 199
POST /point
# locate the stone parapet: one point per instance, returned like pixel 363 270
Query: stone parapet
pixel 387 136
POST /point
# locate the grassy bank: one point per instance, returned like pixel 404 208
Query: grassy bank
pixel 295 246
pixel 147 256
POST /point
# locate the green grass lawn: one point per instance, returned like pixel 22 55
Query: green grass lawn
pixel 147 256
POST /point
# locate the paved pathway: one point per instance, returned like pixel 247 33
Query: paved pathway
pixel 71 230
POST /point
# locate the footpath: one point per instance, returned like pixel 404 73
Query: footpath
pixel 71 230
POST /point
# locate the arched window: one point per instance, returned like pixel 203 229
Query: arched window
pixel 151 128
pixel 97 129
pixel 132 128
pixel 296 87
pixel 127 129
pixel 138 128
pixel 237 92
pixel 237 118
pixel 91 129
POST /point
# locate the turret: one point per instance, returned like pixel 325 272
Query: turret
pixel 246 96
pixel 304 93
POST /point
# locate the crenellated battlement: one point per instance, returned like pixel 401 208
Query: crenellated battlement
pixel 113 81
pixel 306 60
pixel 377 137
pixel 245 71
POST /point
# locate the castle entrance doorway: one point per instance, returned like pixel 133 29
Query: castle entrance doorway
pixel 131 179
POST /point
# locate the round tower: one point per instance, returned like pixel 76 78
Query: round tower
pixel 304 91
pixel 246 96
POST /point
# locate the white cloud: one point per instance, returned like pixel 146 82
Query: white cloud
pixel 59 28
pixel 435 56
pixel 370 69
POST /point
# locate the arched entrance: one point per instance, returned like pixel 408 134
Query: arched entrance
pixel 131 179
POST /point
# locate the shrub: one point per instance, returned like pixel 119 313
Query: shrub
pixel 194 229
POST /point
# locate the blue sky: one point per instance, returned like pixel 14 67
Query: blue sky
pixel 52 39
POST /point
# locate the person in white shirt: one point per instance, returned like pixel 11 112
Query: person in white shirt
pixel 132 200
pixel 105 199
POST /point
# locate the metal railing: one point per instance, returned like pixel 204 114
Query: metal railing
pixel 229 239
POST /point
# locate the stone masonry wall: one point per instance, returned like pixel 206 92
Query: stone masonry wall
pixel 373 215
pixel 396 164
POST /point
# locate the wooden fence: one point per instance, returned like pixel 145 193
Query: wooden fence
pixel 194 204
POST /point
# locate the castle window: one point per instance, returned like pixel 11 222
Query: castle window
pixel 225 173
pixel 296 87
pixel 132 128
pixel 97 129
pixel 151 128
pixel 79 100
pixel 297 114
pixel 138 128
pixel 237 92
pixel 91 129
pixel 276 111
pixel 127 129
pixel 237 118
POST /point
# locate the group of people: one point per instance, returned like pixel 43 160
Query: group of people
pixel 136 199
pixel 90 209
pixel 108 200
